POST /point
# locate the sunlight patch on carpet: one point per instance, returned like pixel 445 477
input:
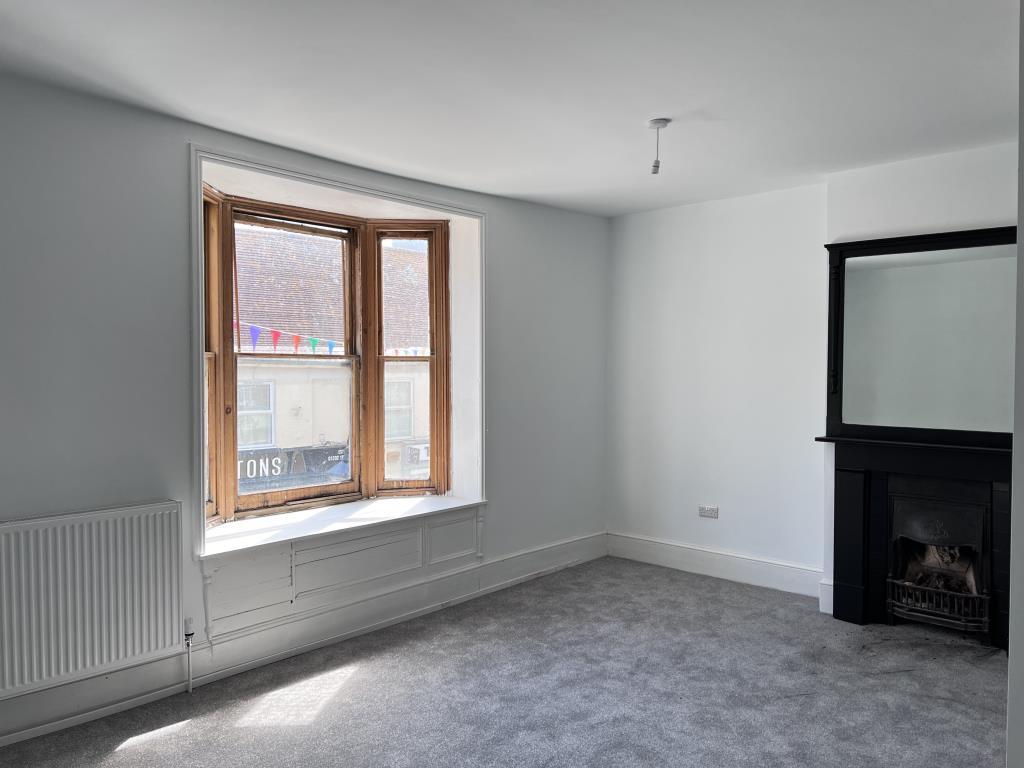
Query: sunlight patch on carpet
pixel 156 733
pixel 296 704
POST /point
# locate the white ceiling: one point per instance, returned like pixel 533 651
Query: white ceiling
pixel 548 100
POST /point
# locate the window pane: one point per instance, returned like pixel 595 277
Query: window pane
pixel 406 421
pixel 398 393
pixel 255 430
pixel 254 397
pixel 294 423
pixel 405 296
pixel 399 424
pixel 291 291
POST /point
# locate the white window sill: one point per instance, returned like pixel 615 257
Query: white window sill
pixel 306 523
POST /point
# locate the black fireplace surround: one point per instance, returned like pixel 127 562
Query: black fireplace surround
pixel 922 516
pixel 887 494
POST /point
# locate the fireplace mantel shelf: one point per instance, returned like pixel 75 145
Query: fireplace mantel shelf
pixel 904 444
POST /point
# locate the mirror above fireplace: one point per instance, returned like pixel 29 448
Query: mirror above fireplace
pixel 928 339
pixel 921 338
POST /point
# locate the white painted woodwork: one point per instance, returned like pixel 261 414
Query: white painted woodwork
pixel 280 582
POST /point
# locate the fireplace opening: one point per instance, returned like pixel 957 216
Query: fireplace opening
pixel 950 569
pixel 938 560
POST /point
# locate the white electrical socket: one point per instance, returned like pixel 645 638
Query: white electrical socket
pixel 706 510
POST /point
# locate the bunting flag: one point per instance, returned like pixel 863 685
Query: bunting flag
pixel 315 342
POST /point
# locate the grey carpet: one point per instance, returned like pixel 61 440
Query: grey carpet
pixel 611 663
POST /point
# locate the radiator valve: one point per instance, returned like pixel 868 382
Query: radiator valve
pixel 189 634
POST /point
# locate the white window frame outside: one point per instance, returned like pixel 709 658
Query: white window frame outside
pixel 411 407
pixel 270 411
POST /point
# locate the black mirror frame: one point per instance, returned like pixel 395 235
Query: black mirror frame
pixel 838 253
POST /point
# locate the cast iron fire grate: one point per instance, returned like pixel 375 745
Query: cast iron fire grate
pixel 956 610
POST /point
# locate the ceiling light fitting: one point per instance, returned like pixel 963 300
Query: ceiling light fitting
pixel 657 124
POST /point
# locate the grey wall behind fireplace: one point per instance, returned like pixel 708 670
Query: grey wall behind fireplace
pixel 929 339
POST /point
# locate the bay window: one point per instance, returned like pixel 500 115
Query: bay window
pixel 327 357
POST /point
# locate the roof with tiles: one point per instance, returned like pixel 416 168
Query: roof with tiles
pixel 293 283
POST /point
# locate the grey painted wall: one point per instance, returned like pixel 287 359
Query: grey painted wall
pixel 95 313
pixel 1015 703
pixel 930 345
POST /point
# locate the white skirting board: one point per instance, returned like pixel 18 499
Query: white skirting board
pixel 825 595
pixel 42 712
pixel 746 569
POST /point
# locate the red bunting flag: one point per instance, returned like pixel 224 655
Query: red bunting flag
pixel 274 336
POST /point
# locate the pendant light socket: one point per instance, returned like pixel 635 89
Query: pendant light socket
pixel 657 124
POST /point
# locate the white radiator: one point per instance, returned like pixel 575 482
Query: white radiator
pixel 86 593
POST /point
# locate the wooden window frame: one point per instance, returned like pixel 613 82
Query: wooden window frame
pixel 362 348
pixel 436 233
pixel 213 202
